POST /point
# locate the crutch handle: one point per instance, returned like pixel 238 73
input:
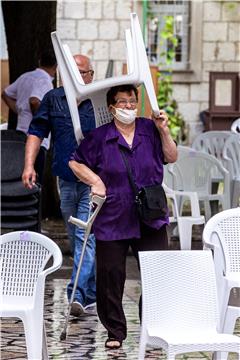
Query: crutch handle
pixel 95 199
pixel 98 200
pixel 78 222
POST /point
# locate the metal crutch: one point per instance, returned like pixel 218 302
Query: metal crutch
pixel 98 201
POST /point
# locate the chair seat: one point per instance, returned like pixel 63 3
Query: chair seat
pixel 18 202
pixel 196 339
pixel 194 220
pixel 16 188
pixel 12 304
pixel 183 342
pixel 19 212
pixel 19 225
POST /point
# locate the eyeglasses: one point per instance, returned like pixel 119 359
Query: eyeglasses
pixel 84 73
pixel 124 102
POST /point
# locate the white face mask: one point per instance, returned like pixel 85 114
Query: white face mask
pixel 125 116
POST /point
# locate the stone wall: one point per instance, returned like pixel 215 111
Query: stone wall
pixel 220 52
pixel 96 28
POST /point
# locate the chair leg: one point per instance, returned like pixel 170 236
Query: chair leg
pixel 235 201
pixel 220 355
pixel 142 344
pixel 44 347
pixel 185 233
pixel 207 210
pixel 33 327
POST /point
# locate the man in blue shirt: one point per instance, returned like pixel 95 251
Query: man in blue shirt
pixel 54 117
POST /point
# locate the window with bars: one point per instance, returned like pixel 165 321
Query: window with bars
pixel 156 46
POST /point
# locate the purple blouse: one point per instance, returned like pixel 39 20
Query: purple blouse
pixel 118 218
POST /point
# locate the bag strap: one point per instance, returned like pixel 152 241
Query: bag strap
pixel 129 172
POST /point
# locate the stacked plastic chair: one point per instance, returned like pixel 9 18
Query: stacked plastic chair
pixel 193 171
pixel 222 235
pixel 179 304
pixel 76 91
pixel 24 267
pixel 231 154
pixel 213 143
pixel 20 207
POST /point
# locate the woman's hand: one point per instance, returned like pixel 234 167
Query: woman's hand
pixel 98 188
pixel 168 145
pixel 161 121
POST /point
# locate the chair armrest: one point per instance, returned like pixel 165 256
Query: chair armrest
pixel 57 262
pixel 193 197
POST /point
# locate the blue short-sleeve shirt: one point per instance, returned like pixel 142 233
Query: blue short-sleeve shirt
pixel 54 116
pixel 100 152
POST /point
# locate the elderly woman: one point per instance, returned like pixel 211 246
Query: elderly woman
pixel 99 162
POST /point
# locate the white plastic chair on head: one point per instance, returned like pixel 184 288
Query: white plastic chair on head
pixel 231 153
pixel 235 127
pixel 77 91
pixel 222 235
pixel 193 171
pixel 24 256
pixel 179 304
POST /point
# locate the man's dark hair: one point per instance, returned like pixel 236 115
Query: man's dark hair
pixel 121 88
pixel 47 58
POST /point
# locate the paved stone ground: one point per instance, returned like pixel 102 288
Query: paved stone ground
pixel 86 336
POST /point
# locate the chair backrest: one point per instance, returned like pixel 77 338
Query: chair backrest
pixel 193 171
pixel 12 160
pixel 235 127
pixel 24 256
pixel 178 290
pixel 212 143
pixel 12 154
pixel 223 231
pixel 231 153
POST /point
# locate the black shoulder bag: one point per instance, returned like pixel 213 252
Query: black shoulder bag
pixel 150 200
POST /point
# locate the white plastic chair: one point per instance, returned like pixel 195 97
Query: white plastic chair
pixel 24 256
pixel 235 127
pixel 184 223
pixel 179 304
pixel 222 235
pixel 193 171
pixel 76 91
pixel 211 142
pixel 231 153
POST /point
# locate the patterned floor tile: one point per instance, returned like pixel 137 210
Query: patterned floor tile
pixel 86 336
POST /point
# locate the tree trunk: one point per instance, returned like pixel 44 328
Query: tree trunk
pixel 28 25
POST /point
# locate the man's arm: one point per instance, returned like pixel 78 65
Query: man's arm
pixel 31 151
pixel 11 103
pixel 34 103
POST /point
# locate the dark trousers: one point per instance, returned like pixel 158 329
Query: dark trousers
pixel 111 275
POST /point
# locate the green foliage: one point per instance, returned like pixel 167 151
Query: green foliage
pixel 165 99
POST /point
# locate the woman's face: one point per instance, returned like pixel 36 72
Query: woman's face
pixel 124 100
